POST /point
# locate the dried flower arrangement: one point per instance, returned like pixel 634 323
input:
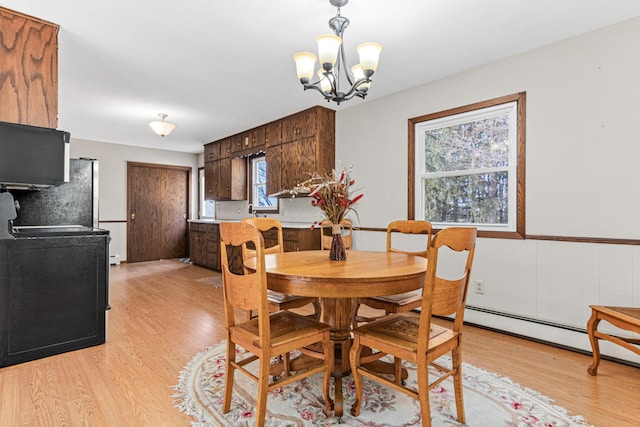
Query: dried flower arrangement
pixel 334 195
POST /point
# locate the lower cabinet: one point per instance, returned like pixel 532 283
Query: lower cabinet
pixel 204 244
pixel 204 241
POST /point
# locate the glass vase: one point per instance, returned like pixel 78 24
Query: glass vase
pixel 337 252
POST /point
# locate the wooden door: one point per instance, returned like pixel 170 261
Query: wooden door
pixel 158 208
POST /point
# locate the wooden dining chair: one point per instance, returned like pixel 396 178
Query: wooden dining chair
pixel 413 337
pixel 326 236
pixel 278 300
pixel 269 335
pixel 400 302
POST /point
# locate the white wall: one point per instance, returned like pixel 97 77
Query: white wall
pixel 112 181
pixel 581 154
pixel 582 150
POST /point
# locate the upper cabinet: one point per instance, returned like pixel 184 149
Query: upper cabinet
pixel 294 146
pixel 225 178
pixel 248 143
pixel 29 70
pixel 307 146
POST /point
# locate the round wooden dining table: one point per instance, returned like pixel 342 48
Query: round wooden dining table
pixel 337 284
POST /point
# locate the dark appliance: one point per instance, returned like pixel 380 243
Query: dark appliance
pixel 54 266
pixel 73 203
pixel 32 156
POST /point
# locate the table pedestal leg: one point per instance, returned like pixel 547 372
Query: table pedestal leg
pixel 336 312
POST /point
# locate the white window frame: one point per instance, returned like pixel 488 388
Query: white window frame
pixel 203 203
pixel 255 184
pixel 513 106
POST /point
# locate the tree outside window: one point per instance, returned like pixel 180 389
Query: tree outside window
pixel 260 199
pixel 468 167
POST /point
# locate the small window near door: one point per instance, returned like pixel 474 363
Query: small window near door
pixel 259 197
pixel 206 206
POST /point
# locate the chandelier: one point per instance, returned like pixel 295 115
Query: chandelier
pixel 332 59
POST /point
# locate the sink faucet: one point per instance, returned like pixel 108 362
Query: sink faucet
pixel 256 214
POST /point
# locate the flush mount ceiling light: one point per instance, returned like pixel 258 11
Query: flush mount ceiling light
pixel 332 58
pixel 161 127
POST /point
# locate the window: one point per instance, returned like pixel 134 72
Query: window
pixel 468 167
pixel 206 207
pixel 259 198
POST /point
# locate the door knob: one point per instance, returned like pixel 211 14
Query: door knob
pixel 133 216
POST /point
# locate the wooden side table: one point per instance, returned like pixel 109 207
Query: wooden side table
pixel 627 318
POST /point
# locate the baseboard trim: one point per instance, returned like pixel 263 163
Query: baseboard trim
pixel 486 319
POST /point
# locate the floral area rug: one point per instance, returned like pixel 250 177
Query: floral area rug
pixel 490 400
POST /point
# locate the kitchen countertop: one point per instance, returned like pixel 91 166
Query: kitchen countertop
pixel 285 224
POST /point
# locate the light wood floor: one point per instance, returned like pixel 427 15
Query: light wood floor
pixel 162 315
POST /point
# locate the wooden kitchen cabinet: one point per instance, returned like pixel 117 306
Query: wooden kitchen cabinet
pixel 248 143
pixel 308 145
pixel 273 134
pixel 204 244
pixel 294 239
pixel 29 70
pixel 301 125
pixel 225 177
pixel 294 146
pixel 300 160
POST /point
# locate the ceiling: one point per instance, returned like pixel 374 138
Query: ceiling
pixel 221 67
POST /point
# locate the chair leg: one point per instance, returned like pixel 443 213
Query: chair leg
pixel 456 362
pixel 397 370
pixel 228 381
pixel 354 360
pixel 316 310
pixel 287 364
pixel 263 391
pixel 423 391
pixel 355 306
pixel 592 327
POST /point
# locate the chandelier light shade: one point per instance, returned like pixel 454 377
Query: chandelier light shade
pixel 333 61
pixel 161 127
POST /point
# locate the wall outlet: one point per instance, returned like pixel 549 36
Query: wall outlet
pixel 479 284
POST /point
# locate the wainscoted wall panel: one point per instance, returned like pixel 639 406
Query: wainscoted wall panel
pixel 543 289
pixel 519 267
pixel 616 273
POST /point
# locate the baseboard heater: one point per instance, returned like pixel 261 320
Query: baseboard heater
pixel 540 322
